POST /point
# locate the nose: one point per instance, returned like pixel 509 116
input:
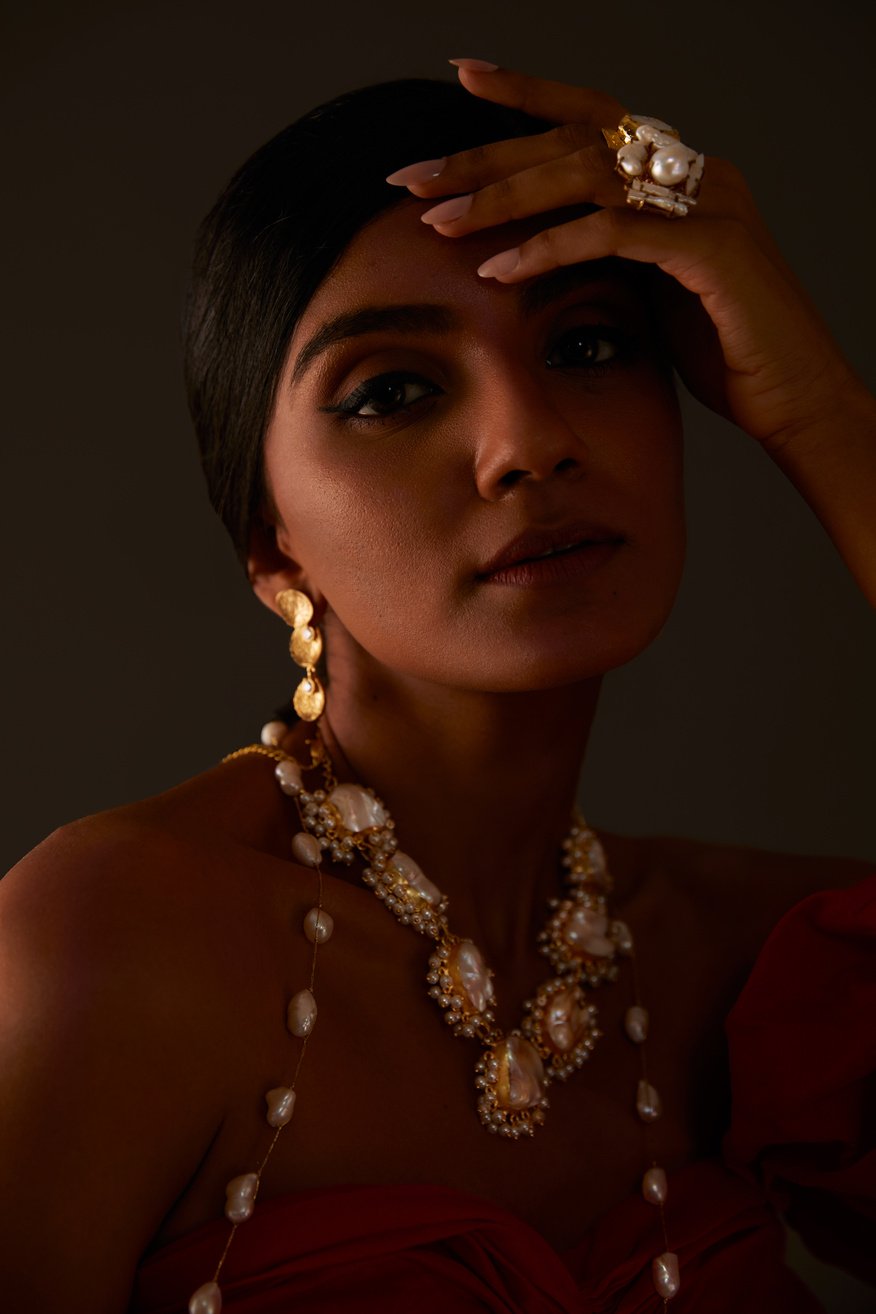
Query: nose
pixel 522 438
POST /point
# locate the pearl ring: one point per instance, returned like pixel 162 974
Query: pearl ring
pixel 659 171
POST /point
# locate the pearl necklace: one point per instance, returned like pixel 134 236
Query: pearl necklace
pixel 559 1027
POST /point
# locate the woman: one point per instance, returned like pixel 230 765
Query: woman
pixel 468 468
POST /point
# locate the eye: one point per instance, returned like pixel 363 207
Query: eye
pixel 384 397
pixel 593 346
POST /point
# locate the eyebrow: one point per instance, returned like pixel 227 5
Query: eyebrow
pixel 534 295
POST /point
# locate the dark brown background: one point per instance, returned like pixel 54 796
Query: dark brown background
pixel 134 655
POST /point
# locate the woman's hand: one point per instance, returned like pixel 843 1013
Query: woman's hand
pixel 743 334
pixel 744 337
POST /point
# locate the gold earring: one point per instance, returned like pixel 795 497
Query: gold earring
pixel 305 645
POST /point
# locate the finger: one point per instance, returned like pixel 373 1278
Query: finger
pixel 707 258
pixel 482 165
pixel 557 102
pixel 583 176
pixel 651 239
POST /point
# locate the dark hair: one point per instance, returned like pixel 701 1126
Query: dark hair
pixel 275 233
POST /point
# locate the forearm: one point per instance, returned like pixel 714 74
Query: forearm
pixel 832 464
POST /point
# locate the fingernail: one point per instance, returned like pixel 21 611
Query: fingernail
pixel 455 208
pixel 475 65
pixel 502 263
pixel 422 171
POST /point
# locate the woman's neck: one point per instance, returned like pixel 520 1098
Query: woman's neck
pixel 480 786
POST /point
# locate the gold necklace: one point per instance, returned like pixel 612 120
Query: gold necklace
pixel 581 940
pixel 559 1028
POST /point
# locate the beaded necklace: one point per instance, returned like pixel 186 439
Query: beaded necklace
pixel 559 1027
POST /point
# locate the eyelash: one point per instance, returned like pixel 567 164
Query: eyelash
pixel 593 333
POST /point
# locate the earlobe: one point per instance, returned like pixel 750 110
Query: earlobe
pixel 269 570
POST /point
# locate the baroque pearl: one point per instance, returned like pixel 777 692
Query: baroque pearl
pixel 585 930
pixel 648 1104
pixel 301 1013
pixel 596 858
pixel 520 1081
pixel 654 1187
pixel 288 776
pixel 636 1023
pixel 470 974
pixel 305 849
pixel 418 882
pixel 664 1270
pixel 631 158
pixel 566 1019
pixel 240 1194
pixel 272 733
pixel 357 809
pixel 670 164
pixel 281 1105
pixel 318 926
pixel 206 1300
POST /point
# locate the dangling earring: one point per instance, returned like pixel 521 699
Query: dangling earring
pixel 305 645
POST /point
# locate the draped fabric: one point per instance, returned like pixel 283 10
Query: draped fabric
pixel 802 1042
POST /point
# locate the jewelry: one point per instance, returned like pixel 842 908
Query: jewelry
pixel 659 171
pixel 559 1028
pixel 305 646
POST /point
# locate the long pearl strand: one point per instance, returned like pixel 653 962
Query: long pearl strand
pixel 301 1014
pixel 301 1017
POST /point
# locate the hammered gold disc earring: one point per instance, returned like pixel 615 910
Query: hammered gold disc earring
pixel 305 645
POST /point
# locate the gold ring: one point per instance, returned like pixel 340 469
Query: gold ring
pixel 659 171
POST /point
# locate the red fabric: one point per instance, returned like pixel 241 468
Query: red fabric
pixel 802 1039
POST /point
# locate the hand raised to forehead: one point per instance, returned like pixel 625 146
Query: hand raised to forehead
pixel 743 335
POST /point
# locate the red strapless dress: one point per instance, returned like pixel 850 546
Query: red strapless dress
pixel 801 1143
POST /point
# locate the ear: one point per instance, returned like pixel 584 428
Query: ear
pixel 270 570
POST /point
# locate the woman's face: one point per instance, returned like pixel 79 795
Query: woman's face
pixel 480 413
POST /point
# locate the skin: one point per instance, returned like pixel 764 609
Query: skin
pixel 146 953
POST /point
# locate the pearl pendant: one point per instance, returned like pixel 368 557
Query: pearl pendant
pixel 206 1300
pixel 585 933
pixel 648 1104
pixel 636 1024
pixel 654 1187
pixel 471 976
pixel 240 1194
pixel 305 849
pixel 357 809
pixel 664 1271
pixel 416 879
pixel 301 1014
pixel 318 926
pixel 520 1080
pixel 281 1105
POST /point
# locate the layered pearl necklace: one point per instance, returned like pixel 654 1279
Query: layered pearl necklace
pixel 558 1030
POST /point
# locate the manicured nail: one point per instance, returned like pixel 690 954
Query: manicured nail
pixel 422 171
pixel 474 65
pixel 502 263
pixel 455 208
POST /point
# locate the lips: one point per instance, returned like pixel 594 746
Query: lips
pixel 536 544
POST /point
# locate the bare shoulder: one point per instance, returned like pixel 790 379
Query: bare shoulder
pixel 744 891
pixel 114 1008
